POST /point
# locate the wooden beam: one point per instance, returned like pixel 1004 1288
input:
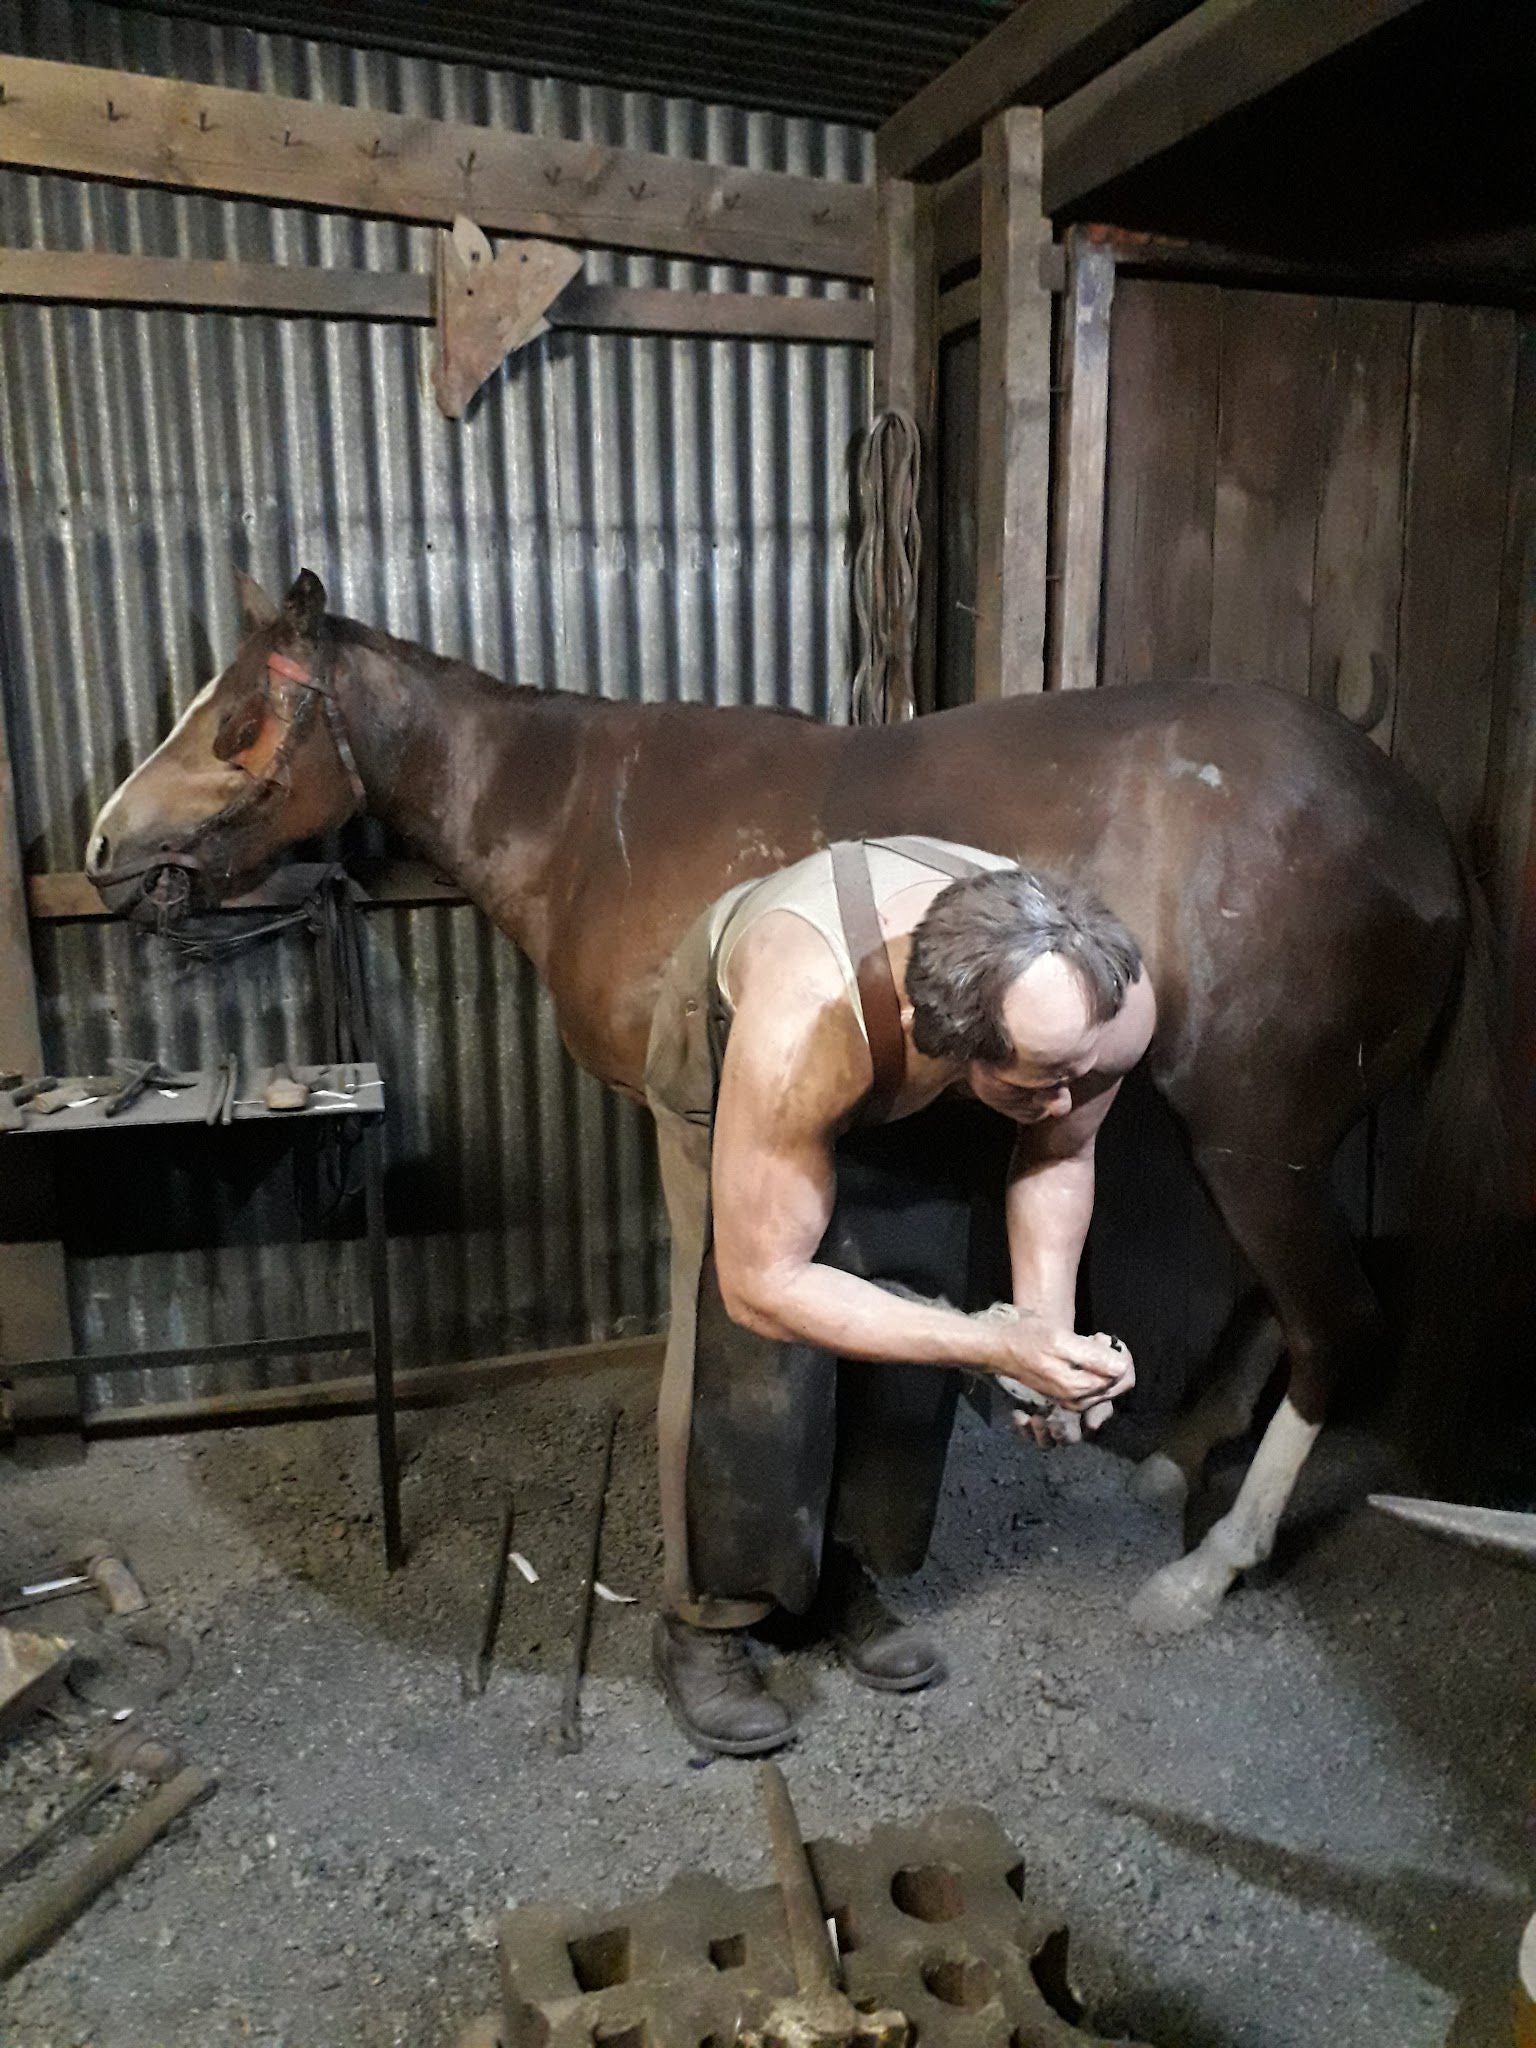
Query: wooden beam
pixel 34 1295
pixel 1039 54
pixel 93 277
pixel 752 316
pixel 906 377
pixel 1084 445
pixel 156 131
pixel 96 278
pixel 429 1386
pixel 1406 273
pixel 1014 428
pixel 1215 59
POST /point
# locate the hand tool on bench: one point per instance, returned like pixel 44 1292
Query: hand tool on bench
pixel 132 1078
pixel 570 1707
pixel 51 1100
pixel 138 1075
pixel 820 2015
pixel 283 1090
pixel 221 1091
pixel 129 1749
pixel 57 1905
pixel 29 1090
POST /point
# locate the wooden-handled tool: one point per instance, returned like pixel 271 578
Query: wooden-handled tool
pixel 283 1090
pixel 820 2015
pixel 59 1904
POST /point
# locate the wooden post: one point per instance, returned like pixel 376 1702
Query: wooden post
pixel 1084 443
pixel 906 375
pixel 1014 424
pixel 34 1300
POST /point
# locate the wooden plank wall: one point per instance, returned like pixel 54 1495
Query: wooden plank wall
pixel 1297 485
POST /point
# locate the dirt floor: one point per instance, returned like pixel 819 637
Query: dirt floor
pixel 1306 1826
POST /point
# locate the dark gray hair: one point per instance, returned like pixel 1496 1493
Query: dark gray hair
pixel 977 938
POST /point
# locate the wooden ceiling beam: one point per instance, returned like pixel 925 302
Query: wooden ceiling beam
pixel 93 123
pixel 1219 57
pixel 1215 59
pixel 1039 54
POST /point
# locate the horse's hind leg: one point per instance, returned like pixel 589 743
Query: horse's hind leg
pixel 1285 1221
pixel 1247 1352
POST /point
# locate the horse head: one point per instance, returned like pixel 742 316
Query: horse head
pixel 258 761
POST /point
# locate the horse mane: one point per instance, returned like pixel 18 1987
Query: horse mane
pixel 410 653
pixel 353 633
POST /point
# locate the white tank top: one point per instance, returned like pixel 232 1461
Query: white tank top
pixel 808 891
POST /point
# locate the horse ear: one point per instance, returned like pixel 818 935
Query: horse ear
pixel 256 608
pixel 304 606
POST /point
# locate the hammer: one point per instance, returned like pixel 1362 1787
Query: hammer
pixel 820 2015
pixel 128 1750
pixel 98 1568
pixel 60 1902
pixel 112 1579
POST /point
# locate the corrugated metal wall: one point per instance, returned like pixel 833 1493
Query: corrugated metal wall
pixel 644 518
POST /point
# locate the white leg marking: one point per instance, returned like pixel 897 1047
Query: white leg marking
pixel 1224 1410
pixel 1187 1593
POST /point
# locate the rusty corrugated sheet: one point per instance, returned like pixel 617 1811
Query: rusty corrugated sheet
pixel 641 517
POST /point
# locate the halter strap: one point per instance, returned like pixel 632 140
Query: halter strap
pixel 291 671
pixel 295 672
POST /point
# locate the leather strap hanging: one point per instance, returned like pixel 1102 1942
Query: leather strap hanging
pixel 872 972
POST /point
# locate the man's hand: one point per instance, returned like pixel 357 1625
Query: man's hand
pixel 1078 1379
pixel 1077 1373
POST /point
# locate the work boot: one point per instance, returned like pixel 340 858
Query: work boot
pixel 878 1648
pixel 715 1691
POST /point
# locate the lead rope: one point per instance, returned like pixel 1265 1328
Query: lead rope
pixel 885 570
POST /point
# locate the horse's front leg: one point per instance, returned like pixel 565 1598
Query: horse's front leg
pixel 1247 1352
pixel 1284 1219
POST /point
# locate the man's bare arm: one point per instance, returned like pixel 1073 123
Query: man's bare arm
pixel 1050 1205
pixel 795 1068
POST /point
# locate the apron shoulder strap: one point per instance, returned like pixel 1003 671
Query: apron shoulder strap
pixel 939 858
pixel 872 972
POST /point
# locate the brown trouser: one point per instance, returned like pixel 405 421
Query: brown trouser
pixel 765 1445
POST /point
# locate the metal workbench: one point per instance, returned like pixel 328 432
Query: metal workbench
pixel 354 1093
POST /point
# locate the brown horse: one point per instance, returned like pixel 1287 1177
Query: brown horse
pixel 1301 908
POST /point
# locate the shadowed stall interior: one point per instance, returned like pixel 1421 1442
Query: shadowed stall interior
pixel 1299 488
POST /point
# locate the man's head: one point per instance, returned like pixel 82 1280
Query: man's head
pixel 1017 974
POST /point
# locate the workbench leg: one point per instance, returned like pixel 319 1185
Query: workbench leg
pixel 383 1341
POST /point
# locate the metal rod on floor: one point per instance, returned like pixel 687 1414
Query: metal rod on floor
pixel 492 1628
pixel 570 1708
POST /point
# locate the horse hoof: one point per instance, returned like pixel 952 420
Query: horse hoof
pixel 1160 1482
pixel 1184 1595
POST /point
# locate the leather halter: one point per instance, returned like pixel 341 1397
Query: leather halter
pixel 295 672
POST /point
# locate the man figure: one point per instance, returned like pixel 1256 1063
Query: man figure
pixel 856 988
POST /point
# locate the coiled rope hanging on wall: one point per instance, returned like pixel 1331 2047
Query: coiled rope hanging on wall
pixel 885 570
